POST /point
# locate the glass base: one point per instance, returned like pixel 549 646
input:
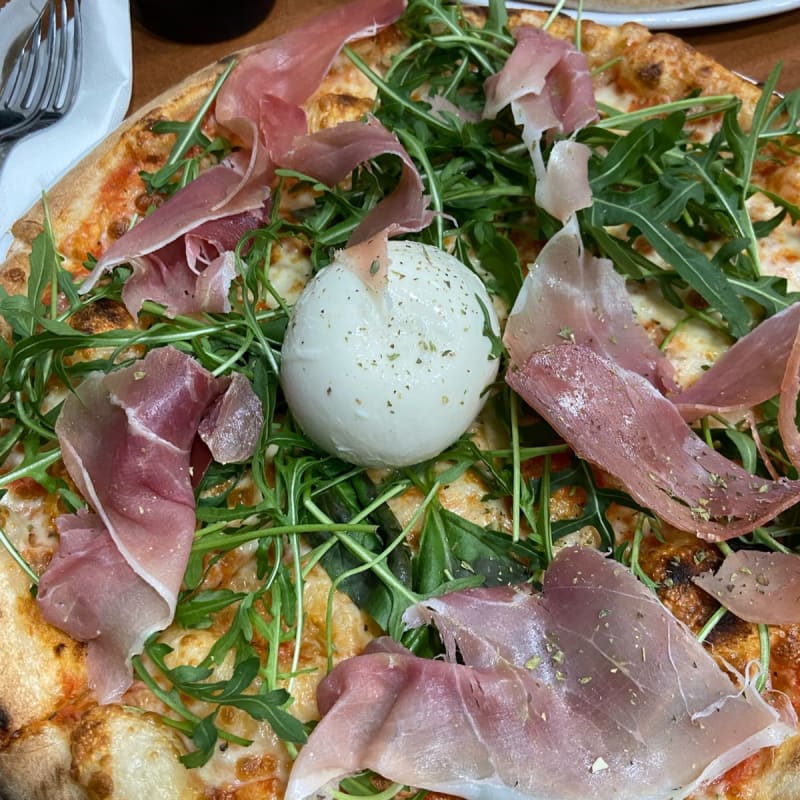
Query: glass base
pixel 200 21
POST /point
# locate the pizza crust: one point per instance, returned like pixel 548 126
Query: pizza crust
pixel 37 766
pixel 83 217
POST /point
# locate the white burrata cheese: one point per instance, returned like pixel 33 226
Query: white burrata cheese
pixel 392 376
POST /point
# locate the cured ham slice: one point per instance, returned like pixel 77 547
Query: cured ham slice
pixel 549 88
pixel 563 188
pixel 772 352
pixel 724 386
pixel 288 70
pixel 617 420
pixel 194 273
pixel 121 611
pixel 330 155
pixel 637 433
pixel 126 440
pixel 260 102
pixel 232 425
pixel 547 83
pixel 197 203
pixel 757 586
pixel 588 689
pixel 571 296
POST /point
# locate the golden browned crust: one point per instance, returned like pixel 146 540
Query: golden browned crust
pixel 37 764
pixel 43 668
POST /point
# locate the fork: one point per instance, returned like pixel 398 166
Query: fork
pixel 43 81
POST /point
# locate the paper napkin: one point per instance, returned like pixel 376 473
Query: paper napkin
pixel 36 162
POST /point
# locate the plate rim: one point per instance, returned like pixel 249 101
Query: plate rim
pixel 677 19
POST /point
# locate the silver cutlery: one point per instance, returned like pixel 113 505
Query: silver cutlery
pixel 43 81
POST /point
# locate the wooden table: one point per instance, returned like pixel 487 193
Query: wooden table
pixel 751 48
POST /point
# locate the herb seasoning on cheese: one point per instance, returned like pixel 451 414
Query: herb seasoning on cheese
pixel 390 376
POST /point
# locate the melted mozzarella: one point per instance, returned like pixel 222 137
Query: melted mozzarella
pixel 390 377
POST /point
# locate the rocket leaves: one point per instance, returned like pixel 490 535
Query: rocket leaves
pixel 687 199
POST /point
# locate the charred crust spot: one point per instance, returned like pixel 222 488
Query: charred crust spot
pixel 680 569
pixel 672 564
pixel 144 202
pixel 26 230
pixel 152 119
pixel 729 629
pixel 15 275
pixel 102 315
pixel 14 278
pixel 5 722
pixel 100 785
pixel 59 649
pixel 650 74
pixel 118 228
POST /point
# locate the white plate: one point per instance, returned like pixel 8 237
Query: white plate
pixel 37 161
pixel 685 17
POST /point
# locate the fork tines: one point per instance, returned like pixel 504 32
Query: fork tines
pixel 43 81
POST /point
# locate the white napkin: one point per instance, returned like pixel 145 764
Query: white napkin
pixel 36 162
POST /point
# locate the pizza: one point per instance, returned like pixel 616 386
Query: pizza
pixel 406 407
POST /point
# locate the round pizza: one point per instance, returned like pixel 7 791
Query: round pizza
pixel 406 407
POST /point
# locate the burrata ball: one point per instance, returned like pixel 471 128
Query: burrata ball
pixel 390 376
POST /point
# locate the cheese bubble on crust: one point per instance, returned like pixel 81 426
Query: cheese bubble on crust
pixel 390 376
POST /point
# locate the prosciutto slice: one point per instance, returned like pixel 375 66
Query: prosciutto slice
pixel 772 353
pixel 126 440
pixel 204 200
pixel 289 69
pixel 571 296
pixel 726 387
pixel 562 188
pixel 91 591
pixel 620 422
pixel 260 102
pixel 232 425
pixel 590 689
pixel 192 274
pixel 330 155
pixel 757 586
pixel 547 83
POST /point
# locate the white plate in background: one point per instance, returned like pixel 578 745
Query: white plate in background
pixel 679 18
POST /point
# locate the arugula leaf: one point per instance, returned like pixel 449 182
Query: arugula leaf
pixel 196 611
pixel 498 256
pixel 453 549
pixel 598 499
pixel 692 265
pixel 769 291
pixel 180 168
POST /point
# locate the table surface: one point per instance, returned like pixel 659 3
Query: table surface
pixel 752 48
